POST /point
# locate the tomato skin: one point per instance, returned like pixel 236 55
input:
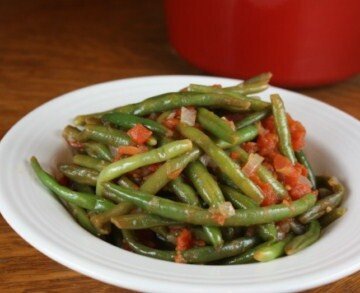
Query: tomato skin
pixel 171 123
pixel 139 134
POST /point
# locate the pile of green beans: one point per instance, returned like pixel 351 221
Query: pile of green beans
pixel 184 194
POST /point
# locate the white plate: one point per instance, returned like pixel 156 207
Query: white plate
pixel 333 138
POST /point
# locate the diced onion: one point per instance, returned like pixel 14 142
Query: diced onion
pixel 188 116
pixel 304 180
pixel 226 209
pixel 205 159
pixel 252 164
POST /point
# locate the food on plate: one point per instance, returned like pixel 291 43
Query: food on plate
pixel 206 175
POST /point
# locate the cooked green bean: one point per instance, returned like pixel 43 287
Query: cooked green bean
pixel 105 134
pixel 222 160
pixel 168 171
pixel 270 252
pixel 242 135
pixel 80 216
pixel 265 231
pixel 252 118
pixel 83 200
pixel 264 174
pixel 194 255
pixel 215 125
pixel 326 204
pixel 282 128
pixel 118 168
pixel 175 100
pixel 128 121
pixel 247 256
pixel 71 134
pixel 102 221
pixel 198 216
pixel 97 150
pixel 79 174
pixel 300 155
pixel 328 218
pixel 140 221
pixel 89 162
pixel 184 191
pixel 305 240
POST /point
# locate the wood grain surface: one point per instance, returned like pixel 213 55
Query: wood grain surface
pixel 48 48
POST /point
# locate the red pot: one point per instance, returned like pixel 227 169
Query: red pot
pixel 302 42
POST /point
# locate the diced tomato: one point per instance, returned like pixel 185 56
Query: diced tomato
pixel 297 131
pixel 299 190
pixel 131 150
pixel 283 165
pixel 171 122
pixel 139 134
pixel 234 155
pixel 250 147
pixel 270 196
pixel 63 180
pixel 301 169
pixel 184 240
pixel 267 144
pixel 269 124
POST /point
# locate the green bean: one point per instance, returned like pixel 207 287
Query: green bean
pixel 325 204
pixel 102 221
pixel 184 192
pixel 305 240
pixel 126 182
pixel 222 160
pixel 89 162
pixel 163 153
pixel 105 134
pixel 252 118
pixel 164 235
pixel 170 101
pixel 163 116
pixel 139 248
pixel 83 200
pixel 165 173
pixel 194 255
pixel 205 184
pixel 265 231
pixel 328 218
pixel 264 174
pixel 247 256
pixel 210 192
pixel 98 151
pixel 194 215
pixel 80 215
pixel 272 251
pixel 282 128
pixel 71 134
pixel 215 125
pixel 128 121
pixel 300 155
pixel 244 134
pixel 250 86
pixel 82 187
pixel 141 221
pixel 79 174
pixel 296 227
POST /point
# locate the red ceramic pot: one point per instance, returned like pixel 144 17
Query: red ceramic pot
pixel 302 42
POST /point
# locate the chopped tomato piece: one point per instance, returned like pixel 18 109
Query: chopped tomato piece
pixel 76 144
pixel 139 134
pixel 184 240
pixel 297 131
pixel 270 196
pixel 269 124
pixel 234 155
pixel 131 150
pixel 299 190
pixel 267 143
pixel 171 122
pixel 250 147
pixel 301 169
pixel 283 165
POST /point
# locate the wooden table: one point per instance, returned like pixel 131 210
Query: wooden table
pixel 48 48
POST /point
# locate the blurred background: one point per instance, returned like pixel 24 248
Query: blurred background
pixel 50 47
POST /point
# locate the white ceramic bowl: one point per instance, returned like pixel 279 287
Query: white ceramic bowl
pixel 32 212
